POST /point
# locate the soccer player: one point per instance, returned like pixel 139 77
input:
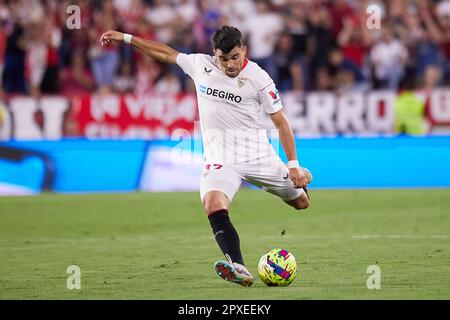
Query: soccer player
pixel 231 92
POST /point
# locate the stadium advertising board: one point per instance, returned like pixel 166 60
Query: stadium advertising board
pixel 150 117
pixel 82 165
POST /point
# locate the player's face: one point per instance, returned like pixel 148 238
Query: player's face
pixel 231 63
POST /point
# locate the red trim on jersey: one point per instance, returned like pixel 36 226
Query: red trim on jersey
pixel 244 64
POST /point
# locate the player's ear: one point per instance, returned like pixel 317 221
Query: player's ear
pixel 244 49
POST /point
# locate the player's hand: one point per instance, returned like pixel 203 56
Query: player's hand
pixel 298 178
pixel 109 36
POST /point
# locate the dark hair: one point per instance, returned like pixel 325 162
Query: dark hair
pixel 226 38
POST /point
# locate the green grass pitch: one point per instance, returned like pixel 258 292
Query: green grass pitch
pixel 160 246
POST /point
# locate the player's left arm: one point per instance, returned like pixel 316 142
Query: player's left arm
pixel 287 139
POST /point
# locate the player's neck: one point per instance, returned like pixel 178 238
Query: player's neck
pixel 218 65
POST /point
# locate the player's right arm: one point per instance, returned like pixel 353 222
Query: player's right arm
pixel 157 50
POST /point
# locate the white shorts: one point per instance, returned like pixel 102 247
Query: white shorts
pixel 269 173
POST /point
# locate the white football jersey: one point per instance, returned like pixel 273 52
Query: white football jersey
pixel 230 109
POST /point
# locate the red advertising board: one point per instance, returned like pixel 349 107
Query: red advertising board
pixel 134 117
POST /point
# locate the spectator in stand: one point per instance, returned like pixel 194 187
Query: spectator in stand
pixel 210 21
pixel 130 14
pixel 388 57
pixel 104 59
pixel 414 41
pixel 167 84
pixel 321 38
pixel 4 12
pixel 163 18
pixel 428 59
pixel 403 20
pixel 2 54
pixel 74 39
pixel 234 12
pixel 347 75
pixel 443 21
pixel 76 80
pixel 187 10
pixel 323 79
pixel 354 40
pixel 396 9
pixel 36 56
pixel 287 62
pixel 443 8
pixel 124 81
pixel 148 71
pixel 263 29
pixel 434 47
pixel 184 43
pixel 145 29
pixel 339 11
pixel 14 65
pixel 297 27
pixel 52 40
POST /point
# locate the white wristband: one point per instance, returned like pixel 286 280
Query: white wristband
pixel 293 164
pixel 127 38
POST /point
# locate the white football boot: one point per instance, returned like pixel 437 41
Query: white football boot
pixel 234 272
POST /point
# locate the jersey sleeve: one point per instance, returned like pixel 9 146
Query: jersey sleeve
pixel 187 63
pixel 270 99
pixel 268 94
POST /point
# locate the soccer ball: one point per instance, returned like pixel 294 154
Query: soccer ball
pixel 277 268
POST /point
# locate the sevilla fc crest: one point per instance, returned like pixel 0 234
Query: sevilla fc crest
pixel 242 81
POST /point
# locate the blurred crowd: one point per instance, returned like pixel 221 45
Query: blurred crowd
pixel 304 45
